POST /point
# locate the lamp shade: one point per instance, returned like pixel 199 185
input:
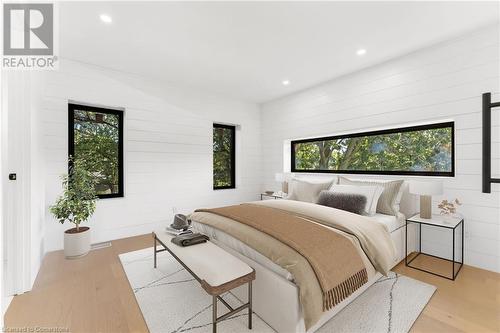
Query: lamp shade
pixel 279 177
pixel 426 188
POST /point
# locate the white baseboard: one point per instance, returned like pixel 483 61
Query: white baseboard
pixel 123 232
pixel 106 235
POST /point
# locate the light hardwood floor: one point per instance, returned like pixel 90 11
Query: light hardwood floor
pixel 92 294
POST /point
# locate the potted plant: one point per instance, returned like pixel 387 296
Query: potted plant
pixel 76 205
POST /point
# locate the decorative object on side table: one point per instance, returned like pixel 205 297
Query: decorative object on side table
pixel 283 178
pixel 449 209
pixel 76 205
pixel 426 190
pixel 437 221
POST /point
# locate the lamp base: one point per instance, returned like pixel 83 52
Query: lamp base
pixel 284 187
pixel 425 206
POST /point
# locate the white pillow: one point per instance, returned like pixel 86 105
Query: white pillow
pixel 302 190
pixel 390 199
pixel 372 194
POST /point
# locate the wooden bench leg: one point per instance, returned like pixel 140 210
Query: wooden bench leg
pixel 154 249
pixel 214 314
pixel 250 305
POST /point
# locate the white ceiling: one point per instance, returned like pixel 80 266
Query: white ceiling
pixel 246 49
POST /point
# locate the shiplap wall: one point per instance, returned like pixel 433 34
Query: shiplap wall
pixel 23 198
pixel 441 82
pixel 167 148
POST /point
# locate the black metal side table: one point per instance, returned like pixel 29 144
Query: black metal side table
pixel 262 195
pixel 437 221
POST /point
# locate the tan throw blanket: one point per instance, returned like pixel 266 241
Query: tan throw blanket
pixel 373 237
pixel 333 257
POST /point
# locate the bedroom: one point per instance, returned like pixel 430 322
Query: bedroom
pixel 212 104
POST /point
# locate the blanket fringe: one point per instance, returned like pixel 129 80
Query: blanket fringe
pixel 340 292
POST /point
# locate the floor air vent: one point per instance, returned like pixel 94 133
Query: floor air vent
pixel 98 246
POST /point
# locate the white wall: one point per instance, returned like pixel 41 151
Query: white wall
pixel 441 82
pixel 167 148
pixel 3 300
pixel 22 199
pixel 36 194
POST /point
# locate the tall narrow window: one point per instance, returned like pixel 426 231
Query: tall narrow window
pixel 96 139
pixel 224 156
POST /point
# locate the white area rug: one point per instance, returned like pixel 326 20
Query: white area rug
pixel 172 301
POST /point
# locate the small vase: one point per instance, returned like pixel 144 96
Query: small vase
pixel 451 218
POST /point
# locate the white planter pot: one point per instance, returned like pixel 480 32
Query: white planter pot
pixel 76 244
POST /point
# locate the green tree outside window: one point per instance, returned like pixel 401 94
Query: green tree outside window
pixel 427 150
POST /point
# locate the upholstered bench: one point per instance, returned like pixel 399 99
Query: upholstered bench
pixel 216 270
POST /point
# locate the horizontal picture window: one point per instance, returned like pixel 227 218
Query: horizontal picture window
pixel 426 150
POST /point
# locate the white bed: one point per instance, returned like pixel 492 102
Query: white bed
pixel 274 285
pixel 390 221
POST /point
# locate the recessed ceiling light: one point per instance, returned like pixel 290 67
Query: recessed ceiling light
pixel 106 18
pixel 285 82
pixel 361 52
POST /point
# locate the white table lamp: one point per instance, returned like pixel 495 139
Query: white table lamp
pixel 279 177
pixel 426 190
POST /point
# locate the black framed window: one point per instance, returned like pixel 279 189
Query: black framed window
pixel 96 138
pixel 426 150
pixel 224 173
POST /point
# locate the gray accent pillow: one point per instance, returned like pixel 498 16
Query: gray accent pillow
pixel 351 202
pixel 388 201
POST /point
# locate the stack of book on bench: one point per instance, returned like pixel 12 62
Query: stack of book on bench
pixel 179 232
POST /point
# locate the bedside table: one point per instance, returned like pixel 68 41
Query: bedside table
pixel 437 221
pixel 263 195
